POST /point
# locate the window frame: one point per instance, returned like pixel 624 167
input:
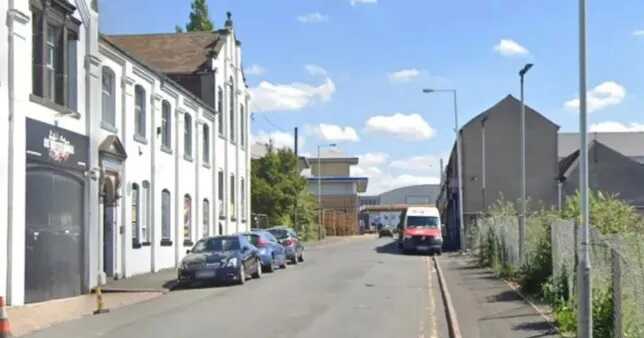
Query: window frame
pixel 145 214
pixel 140 114
pixel 232 199
pixel 63 91
pixel 166 126
pixel 187 137
pixel 231 113
pixel 205 156
pixel 221 193
pixel 166 218
pixel 187 220
pixel 205 221
pixel 107 72
pixel 135 215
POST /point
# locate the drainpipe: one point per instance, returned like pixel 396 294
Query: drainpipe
pixel 178 244
pixel 152 192
pixel 195 204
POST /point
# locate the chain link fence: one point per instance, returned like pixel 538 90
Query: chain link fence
pixel 617 264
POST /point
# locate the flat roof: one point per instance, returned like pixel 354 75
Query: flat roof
pixel 348 160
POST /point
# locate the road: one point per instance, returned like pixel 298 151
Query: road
pixel 356 288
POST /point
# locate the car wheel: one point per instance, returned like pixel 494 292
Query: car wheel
pixel 242 275
pixel 294 260
pixel 283 265
pixel 258 271
pixel 301 258
pixel 271 266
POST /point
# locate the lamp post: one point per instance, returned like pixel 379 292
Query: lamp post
pixel 522 216
pixel 585 317
pixel 331 145
pixel 459 163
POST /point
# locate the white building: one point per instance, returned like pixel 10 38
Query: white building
pixel 116 153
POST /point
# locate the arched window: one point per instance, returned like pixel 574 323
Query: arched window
pixel 145 213
pixel 220 110
pixel 220 193
pixel 108 98
pixel 187 135
pixel 206 144
pixel 231 114
pixel 166 224
pixel 206 218
pixel 166 125
pixel 139 111
pixel 242 125
pixel 187 220
pixel 136 217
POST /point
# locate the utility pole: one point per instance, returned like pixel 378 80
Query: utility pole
pixel 584 301
pixel 296 222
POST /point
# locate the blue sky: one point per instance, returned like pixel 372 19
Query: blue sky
pixel 351 71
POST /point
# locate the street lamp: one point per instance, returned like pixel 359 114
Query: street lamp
pixel 522 216
pixel 330 145
pixel 459 163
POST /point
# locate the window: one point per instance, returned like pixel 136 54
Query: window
pixel 206 218
pixel 220 193
pixel 232 198
pixel 242 192
pixel 165 216
pixel 139 111
pixel 220 110
pixel 187 136
pixel 187 220
pixel 54 52
pixel 136 222
pixel 166 125
pixel 242 125
pixel 232 110
pixel 206 144
pixel 145 213
pixel 108 100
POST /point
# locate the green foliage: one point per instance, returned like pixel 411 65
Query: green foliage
pixel 565 314
pixel 608 213
pixel 537 266
pixel 199 18
pixel 277 187
pixel 603 312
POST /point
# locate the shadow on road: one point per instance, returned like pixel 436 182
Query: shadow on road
pixel 392 249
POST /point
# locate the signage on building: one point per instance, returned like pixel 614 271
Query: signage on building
pixel 57 146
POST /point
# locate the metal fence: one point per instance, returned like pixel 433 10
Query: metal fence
pixel 617 263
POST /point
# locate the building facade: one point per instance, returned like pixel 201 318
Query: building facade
pixel 112 164
pixel 491 150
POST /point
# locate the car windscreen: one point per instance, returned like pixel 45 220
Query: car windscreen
pixel 252 238
pixel 279 233
pixel 218 244
pixel 422 222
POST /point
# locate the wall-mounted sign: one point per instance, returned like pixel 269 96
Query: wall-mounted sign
pixel 51 144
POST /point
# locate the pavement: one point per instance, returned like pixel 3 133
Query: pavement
pixel 487 306
pixel 351 287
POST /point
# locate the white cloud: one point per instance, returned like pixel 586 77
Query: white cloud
pixel 315 17
pixel 316 70
pixel 279 139
pixel 508 47
pixel 404 75
pixel 255 70
pixel 418 163
pixel 606 94
pixel 638 33
pixel 268 96
pixel 373 159
pixel 335 133
pixel 410 127
pixel 612 126
pixel 361 2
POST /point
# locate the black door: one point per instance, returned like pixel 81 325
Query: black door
pixel 54 234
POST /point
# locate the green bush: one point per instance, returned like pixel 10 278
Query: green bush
pixel 608 213
pixel 537 267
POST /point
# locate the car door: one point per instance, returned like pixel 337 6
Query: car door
pixel 276 247
pixel 246 253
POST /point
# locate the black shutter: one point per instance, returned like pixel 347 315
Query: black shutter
pixel 37 53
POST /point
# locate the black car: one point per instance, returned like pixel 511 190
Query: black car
pixel 221 259
pixel 291 242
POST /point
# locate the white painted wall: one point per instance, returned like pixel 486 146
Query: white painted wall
pixel 4 147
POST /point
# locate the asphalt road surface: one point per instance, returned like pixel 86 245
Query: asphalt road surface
pixel 357 288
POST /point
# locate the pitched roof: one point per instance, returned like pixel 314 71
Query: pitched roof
pixel 172 53
pixel 629 144
pixel 507 103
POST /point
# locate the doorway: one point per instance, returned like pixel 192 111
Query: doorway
pixel 109 206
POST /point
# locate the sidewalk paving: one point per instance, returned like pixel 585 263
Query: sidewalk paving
pixel 34 317
pixel 486 306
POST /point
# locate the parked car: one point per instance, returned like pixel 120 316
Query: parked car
pixel 291 242
pixel 221 258
pixel 386 231
pixel 420 229
pixel 271 252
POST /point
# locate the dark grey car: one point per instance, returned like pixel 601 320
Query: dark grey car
pixel 290 241
pixel 222 259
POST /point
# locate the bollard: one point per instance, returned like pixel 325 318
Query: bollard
pixel 100 307
pixel 5 328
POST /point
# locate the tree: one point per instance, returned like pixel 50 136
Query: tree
pixel 276 185
pixel 199 18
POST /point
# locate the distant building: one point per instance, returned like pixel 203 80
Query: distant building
pixel 629 144
pixel 491 147
pixel 385 207
pixel 609 171
pixel 338 191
